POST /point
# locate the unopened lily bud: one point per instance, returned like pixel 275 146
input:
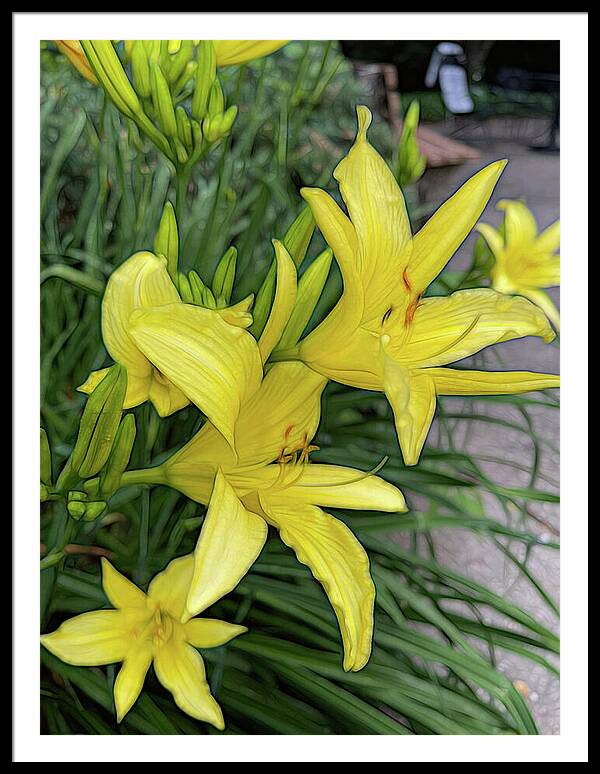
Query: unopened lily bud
pixel 184 128
pixel 76 496
pixel 216 100
pixel 206 72
pixel 91 487
pixel 224 276
pixel 45 458
pixel 296 241
pixel 411 162
pixel 185 291
pixel 99 423
pixel 76 510
pixel 163 103
pixel 227 120
pixel 140 66
pixel 93 510
pixel 111 75
pixel 44 493
pixel 179 60
pixel 202 295
pixel 310 287
pixel 167 239
pixel 210 129
pixel 180 151
pixel 118 460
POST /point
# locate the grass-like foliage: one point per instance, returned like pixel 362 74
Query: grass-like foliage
pixel 438 634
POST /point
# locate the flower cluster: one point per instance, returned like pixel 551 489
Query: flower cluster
pixel 260 393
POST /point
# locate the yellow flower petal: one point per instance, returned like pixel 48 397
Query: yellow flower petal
pixel 90 639
pixel 233 52
pixel 230 541
pixel 549 240
pixel 378 212
pixel 280 415
pixel 140 281
pixel 455 381
pixel 546 304
pixel 339 487
pixel 340 235
pixel 181 670
pixel 447 329
pixel 216 365
pixel 130 680
pixel 520 225
pixel 170 587
pixel 413 400
pixel 493 237
pixel 210 632
pixel 283 302
pixel 74 52
pixel 120 591
pixel 138 388
pixel 440 237
pixel 338 562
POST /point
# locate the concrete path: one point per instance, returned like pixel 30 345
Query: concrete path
pixel 535 176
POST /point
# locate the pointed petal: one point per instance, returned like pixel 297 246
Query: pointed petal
pixel 549 240
pixel 216 365
pixel 447 329
pixel 210 632
pixel 130 680
pixel 170 587
pixel 120 591
pixel 455 381
pixel 283 302
pixel 230 541
pixel 74 52
pixel 546 304
pixel 338 562
pixel 340 235
pixel 338 487
pixel 138 388
pixel 141 281
pixel 181 670
pixel 233 52
pixel 90 639
pixel 493 237
pixel 521 228
pixel 166 398
pixel 413 400
pixel 378 212
pixel 441 236
pixel 283 411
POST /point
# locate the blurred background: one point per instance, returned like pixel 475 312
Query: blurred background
pixel 102 191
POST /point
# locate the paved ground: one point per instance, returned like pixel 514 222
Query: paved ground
pixel 535 176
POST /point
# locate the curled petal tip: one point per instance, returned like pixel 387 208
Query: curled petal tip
pixel 364 121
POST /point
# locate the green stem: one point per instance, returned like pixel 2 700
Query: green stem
pixel 285 354
pixel 144 476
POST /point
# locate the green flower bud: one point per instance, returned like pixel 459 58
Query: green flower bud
pixel 167 239
pixel 140 66
pixel 94 510
pixel 163 103
pixel 206 72
pixel 110 479
pixel 185 291
pixel 216 100
pixel 202 295
pixel 44 493
pixel 310 287
pixel 76 510
pixel 227 120
pixel 99 423
pixel 224 276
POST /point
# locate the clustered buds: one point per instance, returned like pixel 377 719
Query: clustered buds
pixel 174 95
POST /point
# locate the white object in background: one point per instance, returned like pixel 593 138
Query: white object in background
pixel 446 68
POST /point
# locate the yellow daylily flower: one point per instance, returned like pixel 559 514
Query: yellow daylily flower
pixel 74 52
pixel 272 482
pixel 526 262
pixel 383 335
pixel 148 629
pixel 233 52
pixel 175 352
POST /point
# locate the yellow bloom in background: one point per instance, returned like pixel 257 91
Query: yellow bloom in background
pixel 383 335
pixel 175 352
pixel 271 481
pixel 147 629
pixel 525 262
pixel 233 52
pixel 74 52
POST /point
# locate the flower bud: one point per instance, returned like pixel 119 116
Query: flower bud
pixel 206 72
pixel 45 458
pixel 167 239
pixel 201 294
pixel 99 423
pixel 163 103
pixel 224 276
pixel 140 66
pixel 118 460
